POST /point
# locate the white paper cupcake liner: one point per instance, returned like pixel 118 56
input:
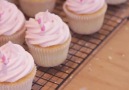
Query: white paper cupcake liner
pixel 31 7
pixel 23 84
pixel 115 2
pixel 18 37
pixel 50 56
pixel 85 24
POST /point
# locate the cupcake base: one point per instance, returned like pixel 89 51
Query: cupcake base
pixel 115 2
pixel 85 23
pixel 17 38
pixel 50 56
pixel 32 7
pixel 24 83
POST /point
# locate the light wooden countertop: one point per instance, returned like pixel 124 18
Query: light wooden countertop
pixel 109 68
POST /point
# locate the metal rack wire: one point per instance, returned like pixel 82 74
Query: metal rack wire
pixel 81 48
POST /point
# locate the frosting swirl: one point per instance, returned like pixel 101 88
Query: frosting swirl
pixel 15 62
pixel 84 6
pixel 46 30
pixel 11 18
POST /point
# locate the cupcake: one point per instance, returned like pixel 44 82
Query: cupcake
pixel 48 39
pixel 12 23
pixel 32 7
pixel 17 68
pixel 14 1
pixel 85 16
pixel 115 2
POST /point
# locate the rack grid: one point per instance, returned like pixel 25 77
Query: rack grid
pixel 82 46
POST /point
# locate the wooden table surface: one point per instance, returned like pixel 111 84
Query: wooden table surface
pixel 109 68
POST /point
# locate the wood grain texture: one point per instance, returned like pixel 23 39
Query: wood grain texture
pixel 109 68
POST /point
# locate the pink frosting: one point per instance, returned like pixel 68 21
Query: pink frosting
pixel 46 30
pixel 15 62
pixel 11 18
pixel 85 6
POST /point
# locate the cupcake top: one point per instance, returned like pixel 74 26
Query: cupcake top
pixel 15 62
pixel 11 18
pixel 84 6
pixel 46 30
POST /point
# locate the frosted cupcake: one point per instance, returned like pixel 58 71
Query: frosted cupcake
pixel 12 24
pixel 115 2
pixel 85 16
pixel 14 1
pixel 32 7
pixel 48 39
pixel 17 69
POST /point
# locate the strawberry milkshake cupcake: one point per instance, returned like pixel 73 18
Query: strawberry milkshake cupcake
pixel 17 68
pixel 12 23
pixel 48 39
pixel 85 16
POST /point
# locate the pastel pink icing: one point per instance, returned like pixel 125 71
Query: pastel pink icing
pixel 11 18
pixel 46 29
pixel 84 6
pixel 15 62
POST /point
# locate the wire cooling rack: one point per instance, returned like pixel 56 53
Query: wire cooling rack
pixel 81 48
